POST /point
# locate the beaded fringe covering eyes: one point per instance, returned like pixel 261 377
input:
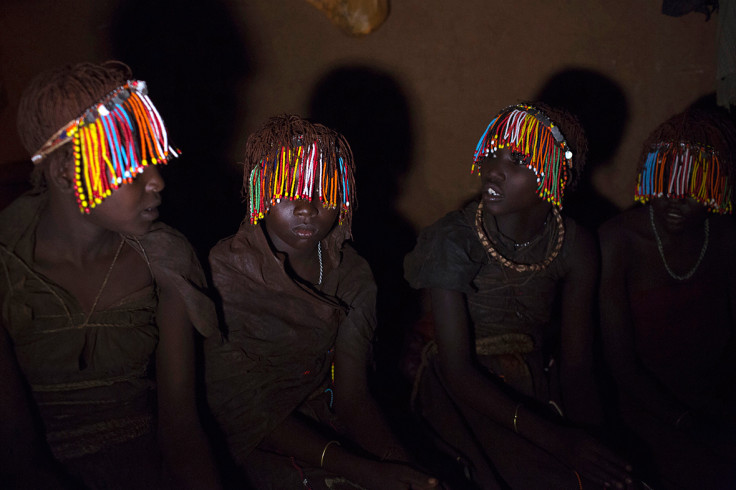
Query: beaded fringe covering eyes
pixel 300 172
pixel 525 129
pixel 114 140
pixel 681 170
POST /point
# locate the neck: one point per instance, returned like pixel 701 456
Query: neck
pixel 521 226
pixel 65 234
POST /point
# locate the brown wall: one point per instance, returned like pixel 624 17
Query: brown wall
pixel 443 69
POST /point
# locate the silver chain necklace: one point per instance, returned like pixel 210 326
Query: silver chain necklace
pixel 319 256
pixel 661 249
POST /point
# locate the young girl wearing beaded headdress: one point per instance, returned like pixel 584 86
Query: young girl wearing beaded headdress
pixel 289 388
pixel 507 381
pixel 668 303
pixel 94 292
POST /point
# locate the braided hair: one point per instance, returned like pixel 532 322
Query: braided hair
pixel 292 158
pixel 55 97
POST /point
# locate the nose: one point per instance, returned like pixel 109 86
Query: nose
pixel 492 169
pixel 153 180
pixel 305 207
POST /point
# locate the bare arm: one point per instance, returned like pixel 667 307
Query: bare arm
pixel 359 411
pixel 182 440
pixel 572 446
pixel 297 437
pixel 580 395
pixel 25 461
pixel 618 335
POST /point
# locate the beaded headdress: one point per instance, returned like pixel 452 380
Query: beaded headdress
pixel 114 140
pixel 291 158
pixel 688 156
pixel 528 131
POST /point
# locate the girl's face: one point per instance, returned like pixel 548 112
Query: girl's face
pixel 132 208
pixel 508 185
pixel 679 215
pixel 296 226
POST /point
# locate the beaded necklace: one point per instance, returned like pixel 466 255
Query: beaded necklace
pixel 488 244
pixel 319 256
pixel 661 249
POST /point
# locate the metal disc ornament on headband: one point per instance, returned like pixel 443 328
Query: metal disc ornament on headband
pixel 114 140
pixel 528 131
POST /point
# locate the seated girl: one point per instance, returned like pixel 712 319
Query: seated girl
pixel 668 304
pixel 507 383
pixel 98 299
pixel 289 388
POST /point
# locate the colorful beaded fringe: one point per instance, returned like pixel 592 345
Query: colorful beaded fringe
pixel 527 131
pixel 680 170
pixel 300 173
pixel 114 140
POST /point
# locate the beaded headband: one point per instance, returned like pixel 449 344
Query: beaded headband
pixel 299 171
pixel 527 130
pixel 114 140
pixel 680 170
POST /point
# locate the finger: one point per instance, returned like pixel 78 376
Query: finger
pixel 605 454
pixel 611 474
pixel 420 481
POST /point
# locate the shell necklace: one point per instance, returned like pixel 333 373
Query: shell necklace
pixel 488 243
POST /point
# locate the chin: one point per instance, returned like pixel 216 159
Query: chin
pixel 137 231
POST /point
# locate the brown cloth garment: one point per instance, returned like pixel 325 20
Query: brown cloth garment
pixel 516 335
pixel 93 383
pixel 282 336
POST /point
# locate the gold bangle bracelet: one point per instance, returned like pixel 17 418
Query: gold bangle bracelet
pixel 516 417
pixel 322 458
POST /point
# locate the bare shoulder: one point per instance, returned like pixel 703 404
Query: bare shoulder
pixel 723 237
pixel 724 227
pixel 623 229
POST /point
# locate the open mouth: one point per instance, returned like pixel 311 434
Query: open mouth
pixel 304 231
pixel 492 193
pixel 150 213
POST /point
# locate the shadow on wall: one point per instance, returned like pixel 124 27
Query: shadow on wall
pixel 193 58
pixel 371 110
pixel 13 175
pixel 601 106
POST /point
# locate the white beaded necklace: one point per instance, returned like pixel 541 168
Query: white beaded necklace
pixel 319 256
pixel 661 249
